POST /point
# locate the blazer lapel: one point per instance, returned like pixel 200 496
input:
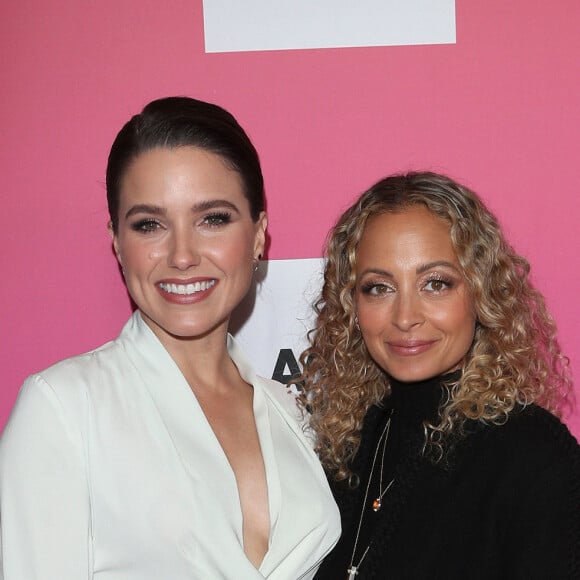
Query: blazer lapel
pixel 186 425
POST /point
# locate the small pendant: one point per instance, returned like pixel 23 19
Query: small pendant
pixel 377 504
pixel 352 572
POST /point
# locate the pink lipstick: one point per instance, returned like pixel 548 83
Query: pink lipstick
pixel 410 347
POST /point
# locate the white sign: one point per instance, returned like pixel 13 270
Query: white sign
pixel 272 323
pixel 237 26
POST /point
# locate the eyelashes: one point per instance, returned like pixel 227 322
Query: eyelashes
pixel 438 283
pixel 217 219
pixel 145 225
pixel 376 288
pixel 212 220
pixel 434 284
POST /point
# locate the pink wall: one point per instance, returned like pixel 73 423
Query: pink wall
pixel 498 110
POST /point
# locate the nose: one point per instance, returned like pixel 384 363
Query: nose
pixel 407 312
pixel 184 251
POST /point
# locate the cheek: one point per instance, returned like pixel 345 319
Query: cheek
pixel 458 321
pixel 371 318
pixel 234 254
pixel 135 255
pixel 156 254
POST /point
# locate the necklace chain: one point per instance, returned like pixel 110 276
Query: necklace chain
pixel 377 503
pixel 353 570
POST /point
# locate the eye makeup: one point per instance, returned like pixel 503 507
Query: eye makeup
pixel 218 218
pixel 145 225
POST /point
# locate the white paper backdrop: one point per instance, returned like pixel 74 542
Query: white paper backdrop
pixel 235 25
pixel 272 322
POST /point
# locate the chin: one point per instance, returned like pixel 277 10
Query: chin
pixel 188 332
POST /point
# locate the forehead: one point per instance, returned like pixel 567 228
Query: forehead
pixel 412 235
pixel 165 172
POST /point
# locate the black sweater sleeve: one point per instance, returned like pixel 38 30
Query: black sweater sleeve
pixel 542 537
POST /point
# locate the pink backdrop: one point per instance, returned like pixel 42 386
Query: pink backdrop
pixel 498 110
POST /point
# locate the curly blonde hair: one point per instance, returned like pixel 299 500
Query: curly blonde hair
pixel 515 359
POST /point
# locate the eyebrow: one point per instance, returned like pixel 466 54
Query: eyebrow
pixel 420 270
pixel 436 264
pixel 145 208
pixel 196 208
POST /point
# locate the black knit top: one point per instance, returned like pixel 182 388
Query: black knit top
pixel 505 504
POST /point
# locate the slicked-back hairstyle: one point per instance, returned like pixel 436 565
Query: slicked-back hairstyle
pixel 514 360
pixel 185 122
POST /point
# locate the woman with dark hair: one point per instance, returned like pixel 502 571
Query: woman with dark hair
pixel 161 455
pixel 433 380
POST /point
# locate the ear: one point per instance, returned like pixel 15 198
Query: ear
pixel 115 242
pixel 260 235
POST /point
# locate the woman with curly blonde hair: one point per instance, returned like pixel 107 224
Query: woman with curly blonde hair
pixel 434 381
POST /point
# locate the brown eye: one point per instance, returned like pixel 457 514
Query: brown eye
pixel 376 289
pixel 437 285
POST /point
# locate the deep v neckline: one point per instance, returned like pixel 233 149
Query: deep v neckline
pixel 188 427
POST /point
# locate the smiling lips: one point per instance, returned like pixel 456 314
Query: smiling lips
pixel 186 291
pixel 411 347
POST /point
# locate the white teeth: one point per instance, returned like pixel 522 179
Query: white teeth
pixel 187 289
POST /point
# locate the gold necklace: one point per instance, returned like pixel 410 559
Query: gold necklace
pixel 353 570
pixel 377 503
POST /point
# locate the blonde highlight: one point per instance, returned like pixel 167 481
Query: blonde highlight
pixel 515 359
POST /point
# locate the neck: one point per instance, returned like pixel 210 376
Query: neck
pixel 203 360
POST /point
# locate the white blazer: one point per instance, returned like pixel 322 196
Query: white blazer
pixel 109 470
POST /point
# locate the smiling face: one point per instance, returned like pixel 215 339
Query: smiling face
pixel 413 305
pixel 186 240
